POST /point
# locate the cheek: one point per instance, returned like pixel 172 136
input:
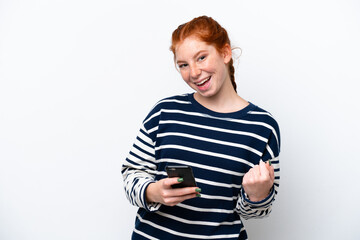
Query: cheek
pixel 185 75
pixel 210 66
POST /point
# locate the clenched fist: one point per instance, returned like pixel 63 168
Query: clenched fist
pixel 258 181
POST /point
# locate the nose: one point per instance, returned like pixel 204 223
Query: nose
pixel 195 71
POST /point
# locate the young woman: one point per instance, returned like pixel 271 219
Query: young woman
pixel 231 144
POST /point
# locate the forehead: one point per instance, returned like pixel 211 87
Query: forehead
pixel 190 46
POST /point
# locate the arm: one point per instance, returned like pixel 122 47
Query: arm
pixel 260 184
pixel 139 171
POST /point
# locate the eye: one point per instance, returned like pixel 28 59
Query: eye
pixel 201 58
pixel 183 65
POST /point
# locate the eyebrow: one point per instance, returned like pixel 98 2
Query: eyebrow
pixel 195 56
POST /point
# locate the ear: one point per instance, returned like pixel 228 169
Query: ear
pixel 227 53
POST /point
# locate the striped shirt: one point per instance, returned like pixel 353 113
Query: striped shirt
pixel 220 148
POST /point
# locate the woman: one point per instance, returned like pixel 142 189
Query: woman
pixel 224 138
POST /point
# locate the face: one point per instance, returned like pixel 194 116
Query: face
pixel 202 67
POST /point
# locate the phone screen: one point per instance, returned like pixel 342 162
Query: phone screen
pixel 184 172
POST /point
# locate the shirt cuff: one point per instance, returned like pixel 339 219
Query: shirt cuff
pixel 260 203
pixel 150 207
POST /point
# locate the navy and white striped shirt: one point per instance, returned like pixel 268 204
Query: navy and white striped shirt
pixel 221 148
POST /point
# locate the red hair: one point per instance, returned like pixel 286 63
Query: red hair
pixel 207 30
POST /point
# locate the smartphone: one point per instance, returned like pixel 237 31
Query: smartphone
pixel 184 172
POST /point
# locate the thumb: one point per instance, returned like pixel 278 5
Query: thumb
pixel 271 170
pixel 168 182
pixel 263 169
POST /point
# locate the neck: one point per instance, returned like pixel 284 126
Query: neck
pixel 224 101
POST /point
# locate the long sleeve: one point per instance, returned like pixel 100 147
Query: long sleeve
pixel 220 148
pixel 248 209
pixel 139 170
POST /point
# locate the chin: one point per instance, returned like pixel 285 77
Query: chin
pixel 207 94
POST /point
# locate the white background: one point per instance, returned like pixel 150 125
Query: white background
pixel 77 78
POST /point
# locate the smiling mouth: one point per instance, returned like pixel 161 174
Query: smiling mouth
pixel 202 83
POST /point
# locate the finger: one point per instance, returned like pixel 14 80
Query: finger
pixel 268 164
pixel 174 196
pixel 186 191
pixel 271 173
pixel 246 177
pixel 249 174
pixel 256 171
pixel 270 169
pixel 250 177
pixel 189 196
pixel 168 182
pixel 263 169
pixel 175 200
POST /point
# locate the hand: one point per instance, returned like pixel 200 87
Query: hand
pixel 162 192
pixel 258 181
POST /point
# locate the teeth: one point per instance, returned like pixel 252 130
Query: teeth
pixel 202 82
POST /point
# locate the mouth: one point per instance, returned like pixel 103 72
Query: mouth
pixel 203 82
